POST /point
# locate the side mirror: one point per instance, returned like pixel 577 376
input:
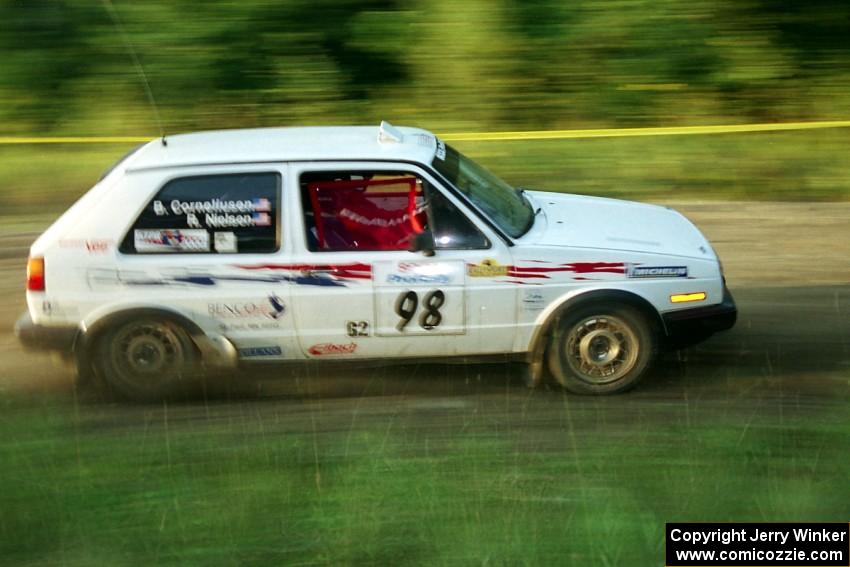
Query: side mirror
pixel 423 242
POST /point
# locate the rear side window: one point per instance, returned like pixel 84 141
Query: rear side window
pixel 209 214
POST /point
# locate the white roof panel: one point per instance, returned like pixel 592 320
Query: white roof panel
pixel 285 144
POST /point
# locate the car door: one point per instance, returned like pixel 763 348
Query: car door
pixel 366 295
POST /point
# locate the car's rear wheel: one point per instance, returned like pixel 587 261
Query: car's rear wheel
pixel 601 349
pixel 146 359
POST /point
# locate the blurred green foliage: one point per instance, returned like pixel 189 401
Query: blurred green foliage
pixel 437 63
pixel 445 66
pixel 778 166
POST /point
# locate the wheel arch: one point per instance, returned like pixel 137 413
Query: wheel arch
pixel 214 349
pixel 95 326
pixel 546 321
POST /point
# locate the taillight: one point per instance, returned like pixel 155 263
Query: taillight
pixel 35 274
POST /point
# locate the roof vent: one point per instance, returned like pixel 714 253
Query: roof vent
pixel 389 133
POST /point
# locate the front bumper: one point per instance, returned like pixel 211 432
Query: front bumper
pixel 700 322
pixel 41 337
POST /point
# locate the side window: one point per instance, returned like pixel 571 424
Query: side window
pixel 227 214
pixel 451 229
pixel 379 210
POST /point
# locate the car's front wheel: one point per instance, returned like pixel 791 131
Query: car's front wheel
pixel 146 359
pixel 601 349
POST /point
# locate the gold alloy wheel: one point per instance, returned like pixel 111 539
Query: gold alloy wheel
pixel 601 349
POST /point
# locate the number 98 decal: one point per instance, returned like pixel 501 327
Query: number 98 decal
pixel 430 318
pixel 421 312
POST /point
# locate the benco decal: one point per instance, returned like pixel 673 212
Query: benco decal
pixel 332 348
pixel 487 269
pixel 657 271
pixel 272 308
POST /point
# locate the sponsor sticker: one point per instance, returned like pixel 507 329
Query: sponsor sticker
pixel 248 325
pixel 272 308
pixel 533 301
pixel 487 269
pixel 171 240
pixel 225 242
pixel 657 271
pixel 420 273
pixel 92 246
pixel 322 349
pixel 260 351
pixel 418 279
pixel 441 150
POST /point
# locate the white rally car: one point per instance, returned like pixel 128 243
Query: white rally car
pixel 205 251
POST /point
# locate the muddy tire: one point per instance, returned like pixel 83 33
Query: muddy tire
pixel 146 360
pixel 601 349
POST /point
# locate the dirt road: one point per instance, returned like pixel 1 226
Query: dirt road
pixel 786 264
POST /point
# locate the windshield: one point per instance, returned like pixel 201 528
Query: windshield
pixel 503 204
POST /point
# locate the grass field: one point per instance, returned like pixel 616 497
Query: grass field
pixel 264 482
pixel 780 166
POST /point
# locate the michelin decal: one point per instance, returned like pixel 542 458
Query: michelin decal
pixel 634 271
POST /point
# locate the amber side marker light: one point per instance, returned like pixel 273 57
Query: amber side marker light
pixel 685 297
pixel 35 274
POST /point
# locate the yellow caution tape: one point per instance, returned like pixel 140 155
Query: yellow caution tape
pixel 625 132
pixel 501 136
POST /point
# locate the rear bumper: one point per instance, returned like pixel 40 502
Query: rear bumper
pixel 700 322
pixel 40 337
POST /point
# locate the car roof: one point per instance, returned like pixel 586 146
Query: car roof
pixel 254 145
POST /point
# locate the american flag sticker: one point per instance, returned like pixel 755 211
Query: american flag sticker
pixel 261 219
pixel 262 205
